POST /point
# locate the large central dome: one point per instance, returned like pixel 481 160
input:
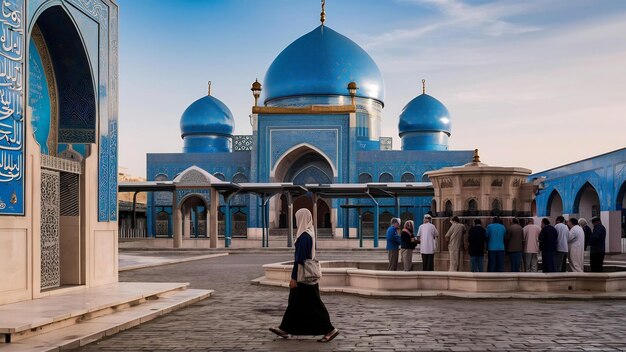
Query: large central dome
pixel 323 62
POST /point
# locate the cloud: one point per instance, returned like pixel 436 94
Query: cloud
pixel 487 19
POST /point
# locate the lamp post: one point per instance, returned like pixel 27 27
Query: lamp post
pixel 352 90
pixel 256 91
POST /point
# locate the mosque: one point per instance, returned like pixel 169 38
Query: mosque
pixel 316 120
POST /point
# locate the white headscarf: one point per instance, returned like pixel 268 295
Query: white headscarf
pixel 304 221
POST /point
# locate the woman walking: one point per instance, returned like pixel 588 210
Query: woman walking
pixel 306 313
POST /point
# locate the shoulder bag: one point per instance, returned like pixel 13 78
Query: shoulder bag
pixel 309 273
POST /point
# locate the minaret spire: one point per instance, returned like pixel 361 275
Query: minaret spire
pixel 476 158
pixel 323 14
pixel 423 86
pixel 209 89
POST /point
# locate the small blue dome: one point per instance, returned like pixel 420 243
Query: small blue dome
pixel 323 62
pixel 424 114
pixel 207 116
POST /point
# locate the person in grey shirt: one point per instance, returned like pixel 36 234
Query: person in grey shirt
pixel 561 243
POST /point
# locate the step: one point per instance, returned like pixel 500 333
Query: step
pixel 91 330
pixel 28 318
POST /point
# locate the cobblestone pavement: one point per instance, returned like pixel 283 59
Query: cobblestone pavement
pixel 239 314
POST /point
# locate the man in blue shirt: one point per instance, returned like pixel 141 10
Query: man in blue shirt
pixel 495 245
pixel 393 244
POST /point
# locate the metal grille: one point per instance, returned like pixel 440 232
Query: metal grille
pixel 242 143
pixel 162 227
pixel 69 194
pixel 386 143
pixel 50 261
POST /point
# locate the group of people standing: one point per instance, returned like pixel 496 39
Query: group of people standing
pixel 404 241
pixel 562 246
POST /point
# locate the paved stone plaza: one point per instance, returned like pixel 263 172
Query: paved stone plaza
pixel 239 314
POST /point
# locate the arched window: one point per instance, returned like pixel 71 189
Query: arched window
pixel 496 207
pixel 472 207
pixel 425 178
pixel 448 210
pixel 161 177
pixel 220 176
pixel 407 177
pixel 365 178
pixel 385 177
pixel 240 178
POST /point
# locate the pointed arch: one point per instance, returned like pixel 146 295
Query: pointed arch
pixel 587 201
pixel 385 177
pixel 620 201
pixel 407 177
pixel 283 164
pixel 554 204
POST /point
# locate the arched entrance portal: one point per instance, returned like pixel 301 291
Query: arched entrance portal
pixel 303 165
pixel 554 206
pixel 306 201
pixel 61 108
pixel 587 202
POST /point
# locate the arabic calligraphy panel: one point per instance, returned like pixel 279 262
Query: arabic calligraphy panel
pixel 11 108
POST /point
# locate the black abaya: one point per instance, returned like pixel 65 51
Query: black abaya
pixel 306 313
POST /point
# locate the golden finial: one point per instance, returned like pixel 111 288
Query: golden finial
pixel 323 14
pixel 423 86
pixel 476 158
pixel 256 91
pixel 209 89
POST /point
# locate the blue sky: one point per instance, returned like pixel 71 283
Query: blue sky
pixel 530 83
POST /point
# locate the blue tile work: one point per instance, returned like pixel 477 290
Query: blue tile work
pixel 234 166
pixel 397 163
pixel 606 173
pixel 327 133
pixel 77 101
pixel 105 13
pixel 171 164
pixel 368 116
pixel 38 98
pixel 12 160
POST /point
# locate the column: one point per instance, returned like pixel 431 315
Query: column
pixel 376 225
pixel 346 220
pixel 177 223
pixel 186 221
pixel 212 217
pixel 228 232
pixel 290 220
pixel 315 217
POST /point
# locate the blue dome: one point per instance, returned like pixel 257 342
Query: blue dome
pixel 424 114
pixel 207 116
pixel 323 62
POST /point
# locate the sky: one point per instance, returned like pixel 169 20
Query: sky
pixel 534 84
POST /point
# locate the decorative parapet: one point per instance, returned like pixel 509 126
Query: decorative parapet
pixel 242 143
pixel 58 164
pixel 386 143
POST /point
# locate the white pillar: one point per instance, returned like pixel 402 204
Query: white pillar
pixel 612 221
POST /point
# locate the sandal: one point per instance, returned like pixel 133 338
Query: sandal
pixel 279 332
pixel 328 338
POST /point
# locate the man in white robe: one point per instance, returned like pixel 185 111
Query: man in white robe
pixel 576 246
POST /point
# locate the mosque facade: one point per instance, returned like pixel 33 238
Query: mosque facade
pixel 58 146
pixel 316 120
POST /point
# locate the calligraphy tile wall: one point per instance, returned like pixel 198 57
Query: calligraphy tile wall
pixel 12 166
